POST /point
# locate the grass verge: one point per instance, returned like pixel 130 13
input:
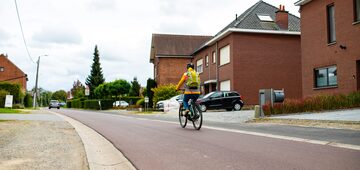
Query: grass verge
pixel 11 111
pixel 352 125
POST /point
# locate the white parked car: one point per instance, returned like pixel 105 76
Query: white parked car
pixel 171 104
pixel 120 103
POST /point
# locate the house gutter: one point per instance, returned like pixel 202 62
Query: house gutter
pixel 231 30
pixel 302 2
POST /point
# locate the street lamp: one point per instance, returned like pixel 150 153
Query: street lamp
pixel 36 82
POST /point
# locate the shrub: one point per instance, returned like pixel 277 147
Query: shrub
pixel 3 94
pixel 18 106
pixel 164 92
pixel 141 102
pixel 76 103
pixel 13 89
pixel 68 103
pixel 28 100
pixel 315 103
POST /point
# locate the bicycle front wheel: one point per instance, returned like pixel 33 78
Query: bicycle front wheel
pixel 198 117
pixel 182 119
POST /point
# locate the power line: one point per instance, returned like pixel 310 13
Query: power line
pixel 22 33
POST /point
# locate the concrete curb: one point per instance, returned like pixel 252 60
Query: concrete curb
pixel 101 154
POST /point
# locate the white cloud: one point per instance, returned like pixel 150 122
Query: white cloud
pixel 57 36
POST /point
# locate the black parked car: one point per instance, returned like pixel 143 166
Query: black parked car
pixel 229 100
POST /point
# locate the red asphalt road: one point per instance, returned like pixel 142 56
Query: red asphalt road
pixel 160 145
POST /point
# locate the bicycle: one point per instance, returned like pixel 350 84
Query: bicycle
pixel 195 115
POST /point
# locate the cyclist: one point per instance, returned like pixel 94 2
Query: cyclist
pixel 192 86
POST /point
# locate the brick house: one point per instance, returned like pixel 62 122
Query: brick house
pixel 259 49
pixel 171 53
pixel 330 46
pixel 10 73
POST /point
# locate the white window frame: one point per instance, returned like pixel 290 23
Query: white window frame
pixel 225 55
pixel 225 85
pixel 207 60
pixel 2 69
pixel 199 66
pixel 214 57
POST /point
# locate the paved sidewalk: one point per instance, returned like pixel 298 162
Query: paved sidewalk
pixel 341 115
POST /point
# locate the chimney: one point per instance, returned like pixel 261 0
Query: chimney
pixel 282 18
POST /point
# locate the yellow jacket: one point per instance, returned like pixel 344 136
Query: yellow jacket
pixel 187 90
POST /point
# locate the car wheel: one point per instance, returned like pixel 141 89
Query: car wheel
pixel 237 106
pixel 49 107
pixel 58 108
pixel 203 108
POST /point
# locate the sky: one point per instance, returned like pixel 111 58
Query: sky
pixel 68 30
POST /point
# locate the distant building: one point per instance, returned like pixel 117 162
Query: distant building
pixel 10 73
pixel 171 53
pixel 330 46
pixel 260 49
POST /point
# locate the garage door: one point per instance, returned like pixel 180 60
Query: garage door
pixel 225 85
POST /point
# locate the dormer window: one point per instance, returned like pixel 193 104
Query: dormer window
pixel 265 18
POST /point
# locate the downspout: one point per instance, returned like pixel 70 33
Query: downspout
pixel 217 66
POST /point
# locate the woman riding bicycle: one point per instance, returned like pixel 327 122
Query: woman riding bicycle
pixel 192 86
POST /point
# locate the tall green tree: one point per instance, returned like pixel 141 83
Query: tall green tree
pixel 78 90
pixel 60 95
pixel 96 76
pixel 150 84
pixel 135 88
pixel 119 88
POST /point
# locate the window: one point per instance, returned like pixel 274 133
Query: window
pixel 199 66
pixel 1 69
pixel 214 57
pixel 217 95
pixel 325 77
pixel 357 10
pixel 225 85
pixel 225 55
pixel 331 23
pixel 265 18
pixel 207 61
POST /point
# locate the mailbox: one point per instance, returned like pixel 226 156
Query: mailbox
pixel 279 96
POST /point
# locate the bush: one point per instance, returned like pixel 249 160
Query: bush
pixel 315 103
pixel 12 89
pixel 92 104
pixel 3 94
pixel 141 102
pixel 76 103
pixel 164 92
pixel 18 106
pixel 28 100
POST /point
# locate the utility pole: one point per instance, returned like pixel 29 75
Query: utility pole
pixel 36 82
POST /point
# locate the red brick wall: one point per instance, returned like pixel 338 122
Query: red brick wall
pixel 316 52
pixel 266 61
pixel 259 61
pixel 11 71
pixel 170 70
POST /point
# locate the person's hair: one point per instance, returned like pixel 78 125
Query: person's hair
pixel 190 65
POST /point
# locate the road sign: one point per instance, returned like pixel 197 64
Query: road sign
pixel 87 91
pixel 146 99
pixel 8 100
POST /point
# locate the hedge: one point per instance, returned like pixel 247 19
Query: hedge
pixel 90 104
pixel 315 103
pixel 131 99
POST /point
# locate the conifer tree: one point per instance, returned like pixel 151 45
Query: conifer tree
pixel 96 76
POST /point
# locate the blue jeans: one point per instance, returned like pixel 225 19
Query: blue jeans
pixel 187 97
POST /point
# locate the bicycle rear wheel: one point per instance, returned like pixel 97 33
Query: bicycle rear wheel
pixel 198 117
pixel 182 119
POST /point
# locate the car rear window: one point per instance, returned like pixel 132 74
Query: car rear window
pixel 233 94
